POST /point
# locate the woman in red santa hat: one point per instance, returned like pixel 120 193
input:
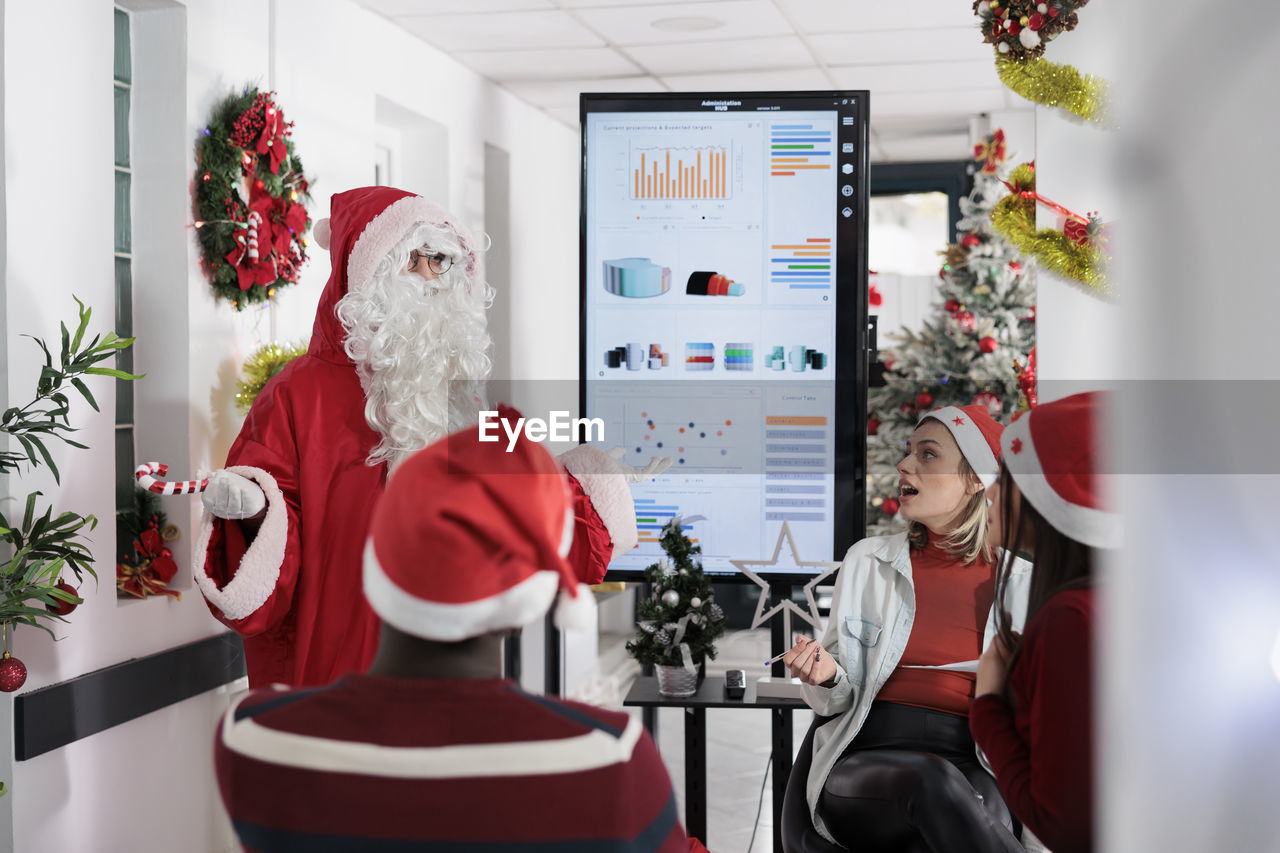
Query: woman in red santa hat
pixel 1033 716
pixel 397 355
pixel 896 768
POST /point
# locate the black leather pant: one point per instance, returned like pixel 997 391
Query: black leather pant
pixel 909 783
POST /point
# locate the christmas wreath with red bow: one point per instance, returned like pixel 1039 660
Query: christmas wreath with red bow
pixel 251 198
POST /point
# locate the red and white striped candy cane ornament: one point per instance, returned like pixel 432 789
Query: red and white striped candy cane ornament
pixel 145 479
pixel 255 219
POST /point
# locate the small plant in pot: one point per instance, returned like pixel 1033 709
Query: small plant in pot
pixel 44 550
pixel 679 623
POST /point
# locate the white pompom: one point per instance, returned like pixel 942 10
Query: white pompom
pixel 322 233
pixel 984 8
pixel 1043 9
pixel 575 612
pixel 1003 47
pixel 1029 38
pixel 695 602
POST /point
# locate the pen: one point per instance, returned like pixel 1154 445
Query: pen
pixel 771 661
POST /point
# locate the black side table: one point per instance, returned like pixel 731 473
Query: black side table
pixel 710 694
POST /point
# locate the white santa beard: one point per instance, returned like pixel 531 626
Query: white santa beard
pixel 421 350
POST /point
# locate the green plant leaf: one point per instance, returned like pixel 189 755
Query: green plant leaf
pixel 111 371
pixel 84 323
pixel 84 392
pixel 66 344
pixel 31 509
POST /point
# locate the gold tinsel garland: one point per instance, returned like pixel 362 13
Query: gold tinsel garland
pixel 1043 82
pixel 265 362
pixel 1014 216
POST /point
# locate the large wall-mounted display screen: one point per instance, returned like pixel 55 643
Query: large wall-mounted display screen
pixel 724 307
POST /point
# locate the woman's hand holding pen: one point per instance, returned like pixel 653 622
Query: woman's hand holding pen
pixel 808 661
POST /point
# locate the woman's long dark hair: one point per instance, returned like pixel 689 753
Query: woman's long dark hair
pixel 1060 561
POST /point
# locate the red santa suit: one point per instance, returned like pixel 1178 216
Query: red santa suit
pixel 293 590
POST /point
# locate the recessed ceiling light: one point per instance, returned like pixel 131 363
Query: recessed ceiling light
pixel 687 23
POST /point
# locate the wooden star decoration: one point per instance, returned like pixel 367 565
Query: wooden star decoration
pixel 823 567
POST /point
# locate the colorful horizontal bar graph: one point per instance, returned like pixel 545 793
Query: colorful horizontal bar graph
pixel 802 265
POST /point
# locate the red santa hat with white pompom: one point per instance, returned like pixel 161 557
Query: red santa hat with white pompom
pixel 1052 452
pixel 469 539
pixel 977 434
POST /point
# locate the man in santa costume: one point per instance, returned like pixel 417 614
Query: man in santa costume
pixel 397 355
pixel 432 749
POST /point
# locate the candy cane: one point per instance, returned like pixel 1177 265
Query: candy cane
pixel 160 487
pixel 255 219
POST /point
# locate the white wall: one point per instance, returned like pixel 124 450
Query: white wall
pixel 1077 334
pixel 329 61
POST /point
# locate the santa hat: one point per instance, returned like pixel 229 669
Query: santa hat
pixel 368 222
pixel 1052 454
pixel 469 539
pixel 978 435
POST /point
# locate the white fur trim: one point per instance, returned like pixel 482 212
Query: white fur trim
pixel 391 226
pixel 1095 527
pixel 574 754
pixel 323 232
pixel 973 444
pixel 575 611
pixel 255 578
pixel 514 607
pixel 596 471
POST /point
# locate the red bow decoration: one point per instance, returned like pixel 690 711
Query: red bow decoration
pixel 272 139
pixel 990 152
pixel 150 571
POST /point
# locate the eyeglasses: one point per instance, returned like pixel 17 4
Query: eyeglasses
pixel 438 264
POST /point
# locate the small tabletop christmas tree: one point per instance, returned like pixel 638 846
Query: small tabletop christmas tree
pixel 679 623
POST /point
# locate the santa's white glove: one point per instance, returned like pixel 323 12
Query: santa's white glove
pixel 633 474
pixel 231 496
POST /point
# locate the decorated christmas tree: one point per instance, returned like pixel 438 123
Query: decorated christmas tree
pixel 679 623
pixel 974 348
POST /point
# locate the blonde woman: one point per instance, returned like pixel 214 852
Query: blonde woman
pixel 896 768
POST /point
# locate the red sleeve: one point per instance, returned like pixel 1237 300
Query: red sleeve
pixel 1043 758
pixel 232 552
pixel 592 547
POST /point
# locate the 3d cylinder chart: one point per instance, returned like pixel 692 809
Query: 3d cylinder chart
pixel 799 357
pixel 699 356
pixel 636 277
pixel 712 284
pixel 739 356
pixel 634 356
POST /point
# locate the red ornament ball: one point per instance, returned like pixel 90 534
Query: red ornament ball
pixel 62 608
pixel 988 344
pixel 970 240
pixel 873 425
pixel 965 320
pixel 951 305
pixel 13 673
pixel 890 506
pixel 924 400
pixel 907 409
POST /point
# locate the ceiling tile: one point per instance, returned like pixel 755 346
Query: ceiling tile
pixel 924 45
pixel 827 16
pixel 733 55
pixel 918 76
pixel 564 114
pixel 750 81
pixel 936 104
pixel 394 8
pixel 507 31
pixel 628 25
pixel 564 93
pixel 586 62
